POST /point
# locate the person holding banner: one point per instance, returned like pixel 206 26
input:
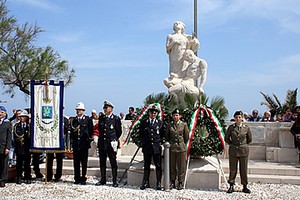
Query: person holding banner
pixel 110 130
pixel 152 134
pixel 5 145
pixel 238 136
pixel 177 134
pixel 81 133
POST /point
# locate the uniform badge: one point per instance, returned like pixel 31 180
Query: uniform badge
pixel 111 126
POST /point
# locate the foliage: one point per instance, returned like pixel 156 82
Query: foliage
pixel 22 61
pixel 206 141
pixel 276 106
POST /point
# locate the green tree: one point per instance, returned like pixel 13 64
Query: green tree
pixel 274 104
pixel 22 61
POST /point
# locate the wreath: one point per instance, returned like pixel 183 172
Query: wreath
pixel 206 135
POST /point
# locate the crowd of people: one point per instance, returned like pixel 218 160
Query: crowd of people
pixel 290 115
pixel 102 131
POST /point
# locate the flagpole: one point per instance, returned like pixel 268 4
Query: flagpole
pixel 186 171
pixel 195 21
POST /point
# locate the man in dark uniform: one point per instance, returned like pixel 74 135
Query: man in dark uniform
pixel 238 136
pixel 177 134
pixel 81 133
pixel 5 145
pixel 22 146
pixel 130 115
pixel 152 134
pixel 110 131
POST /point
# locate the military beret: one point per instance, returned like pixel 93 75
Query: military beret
pixel 3 109
pixel 176 111
pixel 238 113
pixel 108 104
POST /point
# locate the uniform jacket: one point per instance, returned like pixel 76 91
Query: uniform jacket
pixel 110 129
pixel 81 132
pixel 238 139
pixel 21 138
pixel 151 136
pixel 295 130
pixel 5 136
pixel 177 134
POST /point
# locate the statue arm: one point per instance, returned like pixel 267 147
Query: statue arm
pixel 169 44
pixel 203 71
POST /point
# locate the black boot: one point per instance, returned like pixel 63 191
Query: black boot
pixel 231 189
pixel 19 180
pixel 246 190
pixel 158 179
pixel 145 180
pixel 103 177
pixel 180 185
pixel 114 174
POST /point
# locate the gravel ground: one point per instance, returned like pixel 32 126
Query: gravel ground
pixel 68 190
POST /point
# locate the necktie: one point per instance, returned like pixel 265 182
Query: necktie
pixel 152 121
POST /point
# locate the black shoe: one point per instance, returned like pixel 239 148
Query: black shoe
pixel 158 185
pixel 40 175
pixel 58 180
pixel 28 181
pixel 145 185
pixel 246 190
pixel 180 186
pixel 77 182
pixel 115 184
pixel 83 183
pixel 231 189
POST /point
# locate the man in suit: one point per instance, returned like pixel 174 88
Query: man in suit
pixel 110 130
pixel 152 134
pixel 81 134
pixel 177 134
pixel 5 145
pixel 238 136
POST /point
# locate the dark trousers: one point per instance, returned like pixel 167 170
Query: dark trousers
pixel 243 165
pixel 23 164
pixel 3 167
pixel 59 165
pixel 112 158
pixel 80 157
pixel 36 163
pixel 177 164
pixel 156 160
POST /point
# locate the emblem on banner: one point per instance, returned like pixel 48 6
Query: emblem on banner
pixel 47 112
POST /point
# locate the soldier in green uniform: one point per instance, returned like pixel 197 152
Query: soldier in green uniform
pixel 238 136
pixel 177 134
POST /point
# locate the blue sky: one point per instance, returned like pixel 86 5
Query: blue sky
pixel 118 47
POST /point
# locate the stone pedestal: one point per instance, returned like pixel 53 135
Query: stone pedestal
pixel 202 174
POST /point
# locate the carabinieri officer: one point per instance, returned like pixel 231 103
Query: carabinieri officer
pixel 110 130
pixel 152 135
pixel 238 136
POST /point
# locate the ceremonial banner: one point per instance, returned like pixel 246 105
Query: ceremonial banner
pixel 46 116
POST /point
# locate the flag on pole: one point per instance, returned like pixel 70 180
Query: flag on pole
pixel 46 116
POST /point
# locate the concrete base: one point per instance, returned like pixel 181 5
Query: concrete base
pixel 202 174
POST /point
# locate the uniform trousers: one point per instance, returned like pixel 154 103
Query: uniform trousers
pixel 156 160
pixel 103 154
pixel 177 159
pixel 243 165
pixel 36 163
pixel 80 157
pixel 59 164
pixel 3 167
pixel 23 164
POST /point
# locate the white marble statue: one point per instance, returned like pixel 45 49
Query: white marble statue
pixel 176 44
pixel 196 67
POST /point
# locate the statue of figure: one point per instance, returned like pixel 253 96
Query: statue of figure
pixel 176 44
pixel 178 87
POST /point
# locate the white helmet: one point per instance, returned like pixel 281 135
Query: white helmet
pixel 24 113
pixel 80 106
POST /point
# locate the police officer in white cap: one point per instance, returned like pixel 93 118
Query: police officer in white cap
pixel 110 131
pixel 81 133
